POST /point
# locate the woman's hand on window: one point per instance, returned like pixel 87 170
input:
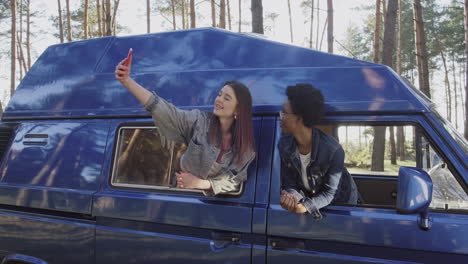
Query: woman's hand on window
pixel 187 180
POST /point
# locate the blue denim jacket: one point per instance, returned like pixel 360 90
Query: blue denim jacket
pixel 328 179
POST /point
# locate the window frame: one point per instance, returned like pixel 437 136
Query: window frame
pixel 418 122
pixel 143 187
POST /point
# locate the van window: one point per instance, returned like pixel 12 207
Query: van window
pixel 372 151
pixel 144 159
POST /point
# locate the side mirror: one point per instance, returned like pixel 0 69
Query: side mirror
pixel 415 194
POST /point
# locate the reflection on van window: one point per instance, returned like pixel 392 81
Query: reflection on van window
pixel 144 158
pixel 382 150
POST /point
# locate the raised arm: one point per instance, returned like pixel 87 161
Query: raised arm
pixel 122 73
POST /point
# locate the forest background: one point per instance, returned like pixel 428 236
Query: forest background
pixel 423 40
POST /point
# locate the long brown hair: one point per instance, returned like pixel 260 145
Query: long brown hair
pixel 241 128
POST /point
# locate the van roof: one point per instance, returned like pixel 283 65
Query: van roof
pixel 188 67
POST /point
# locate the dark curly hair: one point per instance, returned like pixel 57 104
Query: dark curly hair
pixel 307 102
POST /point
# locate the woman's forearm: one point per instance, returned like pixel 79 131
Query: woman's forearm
pixel 141 93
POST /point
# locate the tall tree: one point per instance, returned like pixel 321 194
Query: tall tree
pixel 60 21
pixel 213 13
pixel 240 15
pixel 173 14
pixel 378 151
pixel 257 16
pixel 377 32
pixel 13 47
pixel 421 50
pixel 28 32
pixel 400 151
pixel 85 19
pixel 290 22
pixel 69 29
pixel 311 24
pixel 228 4
pixel 222 14
pixel 20 40
pixel 183 13
pixel 99 16
pixel 465 9
pixel 192 14
pixel 148 16
pixel 330 26
pixel 318 26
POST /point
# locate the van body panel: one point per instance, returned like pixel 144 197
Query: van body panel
pixel 54 165
pixel 52 239
pixel 50 91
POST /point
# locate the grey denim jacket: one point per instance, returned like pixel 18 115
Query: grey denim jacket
pixel 191 128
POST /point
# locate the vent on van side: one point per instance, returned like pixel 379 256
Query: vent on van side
pixel 6 132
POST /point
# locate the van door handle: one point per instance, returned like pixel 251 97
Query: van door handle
pixel 285 244
pixel 225 236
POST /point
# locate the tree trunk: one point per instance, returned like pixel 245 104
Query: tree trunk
pixel 257 16
pixel 311 24
pixel 400 133
pixel 192 14
pixel 290 22
pixel 384 11
pixel 60 21
pixel 114 16
pixel 399 44
pixel 174 26
pixel 20 39
pixel 421 51
pixel 455 91
pixel 229 14
pixel 148 16
pixel 13 47
pixel 240 16
pixel 378 149
pixel 98 9
pixel 377 32
pixel 401 143
pixel 318 26
pixel 330 26
pixel 28 34
pixel 183 13
pixel 85 19
pixel 69 30
pixel 392 146
pixel 21 59
pixel 222 14
pixel 213 13
pixel 466 66
pixel 447 86
pixel 378 152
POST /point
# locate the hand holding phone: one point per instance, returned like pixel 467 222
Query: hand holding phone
pixel 129 57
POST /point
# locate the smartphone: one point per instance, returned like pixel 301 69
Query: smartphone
pixel 129 57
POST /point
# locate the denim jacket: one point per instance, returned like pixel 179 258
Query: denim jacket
pixel 328 179
pixel 191 128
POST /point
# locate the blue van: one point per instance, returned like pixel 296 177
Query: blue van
pixel 85 175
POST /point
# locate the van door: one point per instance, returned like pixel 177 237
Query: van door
pixel 373 232
pixel 142 218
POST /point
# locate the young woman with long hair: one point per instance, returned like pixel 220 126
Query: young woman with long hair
pixel 220 144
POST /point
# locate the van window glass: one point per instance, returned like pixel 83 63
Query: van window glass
pixel 378 152
pixel 145 159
